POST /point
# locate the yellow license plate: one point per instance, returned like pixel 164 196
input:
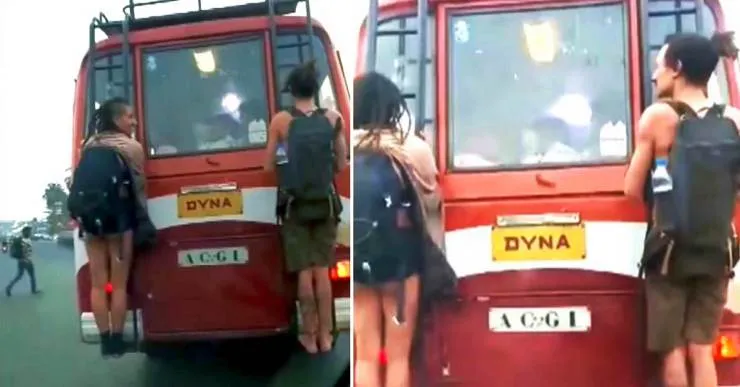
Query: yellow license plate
pixel 208 204
pixel 539 243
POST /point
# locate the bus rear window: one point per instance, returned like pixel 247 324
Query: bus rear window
pixel 538 88
pixel 665 25
pixel 205 99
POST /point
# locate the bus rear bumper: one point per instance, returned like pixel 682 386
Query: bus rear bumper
pixel 134 326
pixel 131 330
pixel 342 312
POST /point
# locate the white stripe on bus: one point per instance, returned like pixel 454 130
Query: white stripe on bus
pixel 611 247
pixel 258 204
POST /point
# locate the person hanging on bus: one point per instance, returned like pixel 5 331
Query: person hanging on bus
pixel 388 257
pixel 105 193
pixel 686 288
pixel 312 151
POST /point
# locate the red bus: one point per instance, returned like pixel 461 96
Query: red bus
pixel 546 245
pixel 217 271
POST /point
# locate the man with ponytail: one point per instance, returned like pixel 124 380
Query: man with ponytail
pixel 306 147
pixel 690 247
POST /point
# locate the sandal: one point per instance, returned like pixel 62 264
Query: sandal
pixel 308 341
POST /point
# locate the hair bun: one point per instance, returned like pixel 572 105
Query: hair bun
pixel 310 68
pixel 724 43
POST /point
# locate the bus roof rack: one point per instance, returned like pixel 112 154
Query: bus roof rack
pixel 269 8
pixel 252 9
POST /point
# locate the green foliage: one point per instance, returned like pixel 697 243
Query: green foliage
pixel 56 207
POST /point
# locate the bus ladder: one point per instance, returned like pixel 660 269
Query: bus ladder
pixel 126 84
pixel 659 9
pixel 421 31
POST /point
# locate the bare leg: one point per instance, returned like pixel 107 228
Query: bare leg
pixel 98 264
pixel 366 323
pixel 398 339
pixel 674 369
pixel 325 307
pixel 309 315
pixel 702 366
pixel 120 248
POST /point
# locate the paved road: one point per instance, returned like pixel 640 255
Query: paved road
pixel 40 347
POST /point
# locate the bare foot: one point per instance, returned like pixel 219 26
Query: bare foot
pixel 308 341
pixel 326 340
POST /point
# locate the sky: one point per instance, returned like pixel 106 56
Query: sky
pixel 40 56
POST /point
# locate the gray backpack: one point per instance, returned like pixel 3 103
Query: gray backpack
pixel 307 179
pixel 703 164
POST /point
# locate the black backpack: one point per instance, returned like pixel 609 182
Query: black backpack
pixel 388 235
pixel 703 164
pixel 307 178
pixel 16 248
pixel 101 189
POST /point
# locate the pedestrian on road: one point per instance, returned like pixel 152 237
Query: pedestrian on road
pixel 21 250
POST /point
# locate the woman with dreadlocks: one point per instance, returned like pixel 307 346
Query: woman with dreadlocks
pixel 393 289
pixel 110 251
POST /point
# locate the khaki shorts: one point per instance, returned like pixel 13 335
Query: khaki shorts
pixel 682 311
pixel 308 246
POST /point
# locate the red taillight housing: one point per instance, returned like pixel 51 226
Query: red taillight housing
pixel 726 347
pixel 340 270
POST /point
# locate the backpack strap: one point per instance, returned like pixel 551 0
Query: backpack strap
pixel 682 109
pixel 685 111
pixel 718 109
pixel 408 195
pixel 295 112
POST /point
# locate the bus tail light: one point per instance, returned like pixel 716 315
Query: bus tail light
pixel 340 270
pixel 109 288
pixel 726 347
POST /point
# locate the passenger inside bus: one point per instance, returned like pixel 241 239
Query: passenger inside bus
pixel 551 137
pixel 551 70
pixel 194 97
pixel 253 118
pixel 217 133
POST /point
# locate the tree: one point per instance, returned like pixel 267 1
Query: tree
pixel 56 206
